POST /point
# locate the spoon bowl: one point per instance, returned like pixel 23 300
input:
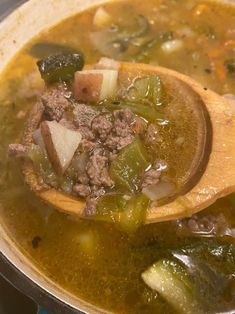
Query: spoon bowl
pixel 211 171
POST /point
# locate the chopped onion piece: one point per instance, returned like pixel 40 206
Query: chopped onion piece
pixel 159 191
pixel 102 18
pixel 172 45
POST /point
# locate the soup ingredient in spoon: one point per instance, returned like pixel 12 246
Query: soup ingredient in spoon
pixel 60 67
pixel 95 85
pixel 128 212
pixel 61 144
pixel 129 166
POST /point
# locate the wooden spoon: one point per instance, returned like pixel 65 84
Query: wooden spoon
pixel 212 172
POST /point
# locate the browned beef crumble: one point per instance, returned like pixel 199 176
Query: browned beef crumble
pixel 83 115
pixel 208 225
pixel 152 135
pixel 151 177
pixel 16 150
pixel 55 101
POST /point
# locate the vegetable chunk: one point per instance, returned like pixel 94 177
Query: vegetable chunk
pixel 95 85
pixel 60 67
pixel 171 281
pixel 127 212
pixel 61 144
pixel 126 170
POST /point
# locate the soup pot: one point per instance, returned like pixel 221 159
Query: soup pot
pixel 15 31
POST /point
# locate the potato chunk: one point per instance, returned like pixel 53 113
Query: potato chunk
pixel 95 85
pixel 61 144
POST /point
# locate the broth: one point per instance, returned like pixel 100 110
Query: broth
pixel 94 260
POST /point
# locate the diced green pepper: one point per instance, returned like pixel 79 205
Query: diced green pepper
pixel 171 281
pixel 142 110
pixel 60 67
pixel 128 214
pixel 44 49
pixel 148 90
pixel 126 170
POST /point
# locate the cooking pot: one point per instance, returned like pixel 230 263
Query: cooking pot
pixel 15 31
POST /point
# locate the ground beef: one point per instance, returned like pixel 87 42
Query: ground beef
pixel 97 170
pixel 139 126
pixel 92 201
pixel 102 126
pixel 87 146
pixel 83 178
pixel 55 101
pixel 16 150
pixel 83 115
pixel 152 135
pixel 67 124
pixel 90 208
pixel 207 225
pixel 122 132
pixel 82 190
pixel 151 177
pixel 86 133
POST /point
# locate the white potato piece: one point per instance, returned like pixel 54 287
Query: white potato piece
pixel 102 18
pixel 172 45
pixel 61 144
pixel 95 85
pixel 108 64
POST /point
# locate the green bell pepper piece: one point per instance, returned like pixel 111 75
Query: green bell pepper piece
pixel 128 214
pixel 126 170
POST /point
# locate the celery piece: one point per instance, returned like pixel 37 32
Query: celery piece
pixel 60 67
pixel 126 170
pixel 128 214
pixel 172 282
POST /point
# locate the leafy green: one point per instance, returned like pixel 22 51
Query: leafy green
pixel 60 67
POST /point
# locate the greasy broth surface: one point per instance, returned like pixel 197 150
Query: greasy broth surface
pixel 107 271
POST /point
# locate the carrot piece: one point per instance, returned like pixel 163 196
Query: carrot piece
pixel 199 10
pixel 219 69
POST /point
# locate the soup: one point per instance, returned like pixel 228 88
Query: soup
pixel 95 260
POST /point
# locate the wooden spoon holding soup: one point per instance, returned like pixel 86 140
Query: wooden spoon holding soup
pixel 211 172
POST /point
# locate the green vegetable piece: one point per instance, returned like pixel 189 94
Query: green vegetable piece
pixel 60 67
pixel 128 214
pixel 126 170
pixel 172 282
pixel 44 49
pixel 148 90
pixel 230 66
pixel 142 110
